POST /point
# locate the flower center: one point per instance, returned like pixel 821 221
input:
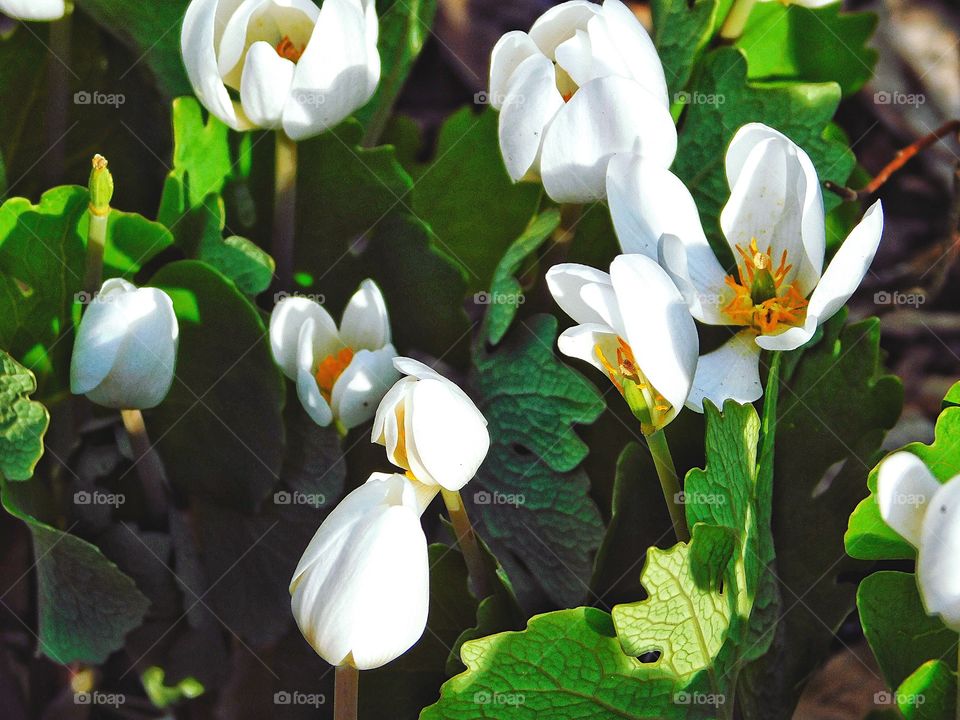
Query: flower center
pixel 331 368
pixel 645 402
pixel 286 49
pixel 761 299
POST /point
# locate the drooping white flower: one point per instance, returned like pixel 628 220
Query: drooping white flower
pixel 294 66
pixel 583 84
pixel 340 374
pixel 634 326
pixel 774 224
pixel 37 10
pixel 927 514
pixel 430 427
pixel 360 594
pixel 126 347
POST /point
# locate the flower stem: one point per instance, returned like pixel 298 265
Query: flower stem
pixel 101 193
pixel 346 691
pixel 660 451
pixel 467 541
pixel 736 19
pixel 148 464
pixel 284 208
pixel 958 681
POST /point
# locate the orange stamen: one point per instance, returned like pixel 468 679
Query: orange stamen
pixel 331 368
pixel 786 309
pixel 286 49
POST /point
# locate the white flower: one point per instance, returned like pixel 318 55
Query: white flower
pixel 583 84
pixel 927 515
pixel 774 224
pixel 293 66
pixel 430 427
pixel 341 373
pixel 361 593
pixel 634 326
pixel 126 347
pixel 42 10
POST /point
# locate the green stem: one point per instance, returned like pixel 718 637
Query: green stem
pixel 346 692
pixel 660 451
pixel 737 19
pixel 958 681
pixel 284 208
pixel 467 542
pixel 149 467
pixel 96 240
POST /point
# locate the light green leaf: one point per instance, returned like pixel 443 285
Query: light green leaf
pixel 506 292
pixel 930 693
pixel 23 422
pixel 530 498
pixel 777 40
pixel 241 260
pixel 131 242
pixel 681 31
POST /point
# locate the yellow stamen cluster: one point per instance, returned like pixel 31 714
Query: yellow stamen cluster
pixel 627 369
pixel 331 368
pixel 760 299
pixel 286 49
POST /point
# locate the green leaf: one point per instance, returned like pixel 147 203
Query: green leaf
pixel 791 43
pixel 228 392
pixel 681 31
pixel 930 693
pixel 132 241
pixel 530 499
pixel 868 537
pixel 835 408
pixel 465 195
pixel 152 31
pixel 802 111
pixel 23 422
pixel 404 29
pixel 86 605
pixel 566 665
pixel 42 258
pixel 241 260
pixel 506 292
pixel 901 634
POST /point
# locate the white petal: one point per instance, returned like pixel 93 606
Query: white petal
pixel 904 489
pixel 937 562
pixel 565 282
pixel 575 57
pixel 792 338
pixel 307 389
pixel 648 201
pixel 41 10
pixel 775 197
pixel 287 319
pixel 365 324
pixel 385 421
pixel 604 117
pixel 622 46
pixel 362 385
pixel 531 102
pixel 603 300
pixel 449 434
pixel 581 341
pixel 337 73
pixel 699 276
pixel 560 23
pixel 265 86
pixel 102 331
pixel 848 267
pixel 730 372
pixel 658 326
pixel 197 41
pixel 415 368
pixel 510 50
pixel 365 588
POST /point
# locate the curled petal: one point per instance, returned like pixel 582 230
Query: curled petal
pixel 365 324
pixel 730 372
pixel 359 390
pixel 937 561
pixel 905 488
pixel 286 321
